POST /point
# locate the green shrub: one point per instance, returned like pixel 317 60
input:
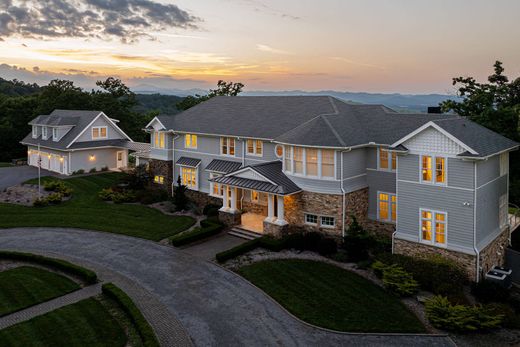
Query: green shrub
pixel 106 194
pixel 125 302
pixel 378 268
pixel 340 256
pixel 434 273
pixel 510 319
pixel 78 172
pixel 443 315
pixel 57 186
pixel 487 291
pixel 93 170
pixel 237 250
pixel 211 210
pixel 151 196
pixel 356 242
pixel 54 198
pixel 104 168
pixel 206 229
pixel 272 244
pixel 40 203
pixel 124 196
pixel 398 281
pixel 304 241
pixel 87 275
pixel 327 246
pixel 380 243
pixel 179 199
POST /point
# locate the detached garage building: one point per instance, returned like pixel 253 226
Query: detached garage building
pixel 72 140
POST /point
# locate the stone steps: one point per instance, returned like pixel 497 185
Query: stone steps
pixel 244 234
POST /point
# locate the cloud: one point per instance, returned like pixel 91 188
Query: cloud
pixel 126 20
pixel 260 6
pixel 352 62
pixel 269 49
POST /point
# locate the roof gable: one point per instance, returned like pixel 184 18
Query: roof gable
pixel 250 173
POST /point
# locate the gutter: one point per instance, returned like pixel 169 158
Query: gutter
pixel 477 253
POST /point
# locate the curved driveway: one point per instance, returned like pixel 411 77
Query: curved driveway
pixel 215 306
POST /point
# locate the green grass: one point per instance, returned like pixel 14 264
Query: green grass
pixel 330 297
pixel 3 164
pixel 26 286
pixel 85 210
pixel 86 323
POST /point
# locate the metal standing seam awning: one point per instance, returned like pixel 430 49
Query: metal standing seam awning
pixel 223 166
pixel 189 162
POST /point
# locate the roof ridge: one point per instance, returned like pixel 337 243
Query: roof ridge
pixel 340 140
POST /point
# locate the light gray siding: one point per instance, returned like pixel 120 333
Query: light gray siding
pixel 460 173
pixel 408 167
pixel 413 196
pixel 378 181
pixel 112 133
pixel 162 153
pixel 488 170
pixel 268 153
pixel 488 210
pixel 317 185
pixel 354 163
pixel 103 157
pixel 371 157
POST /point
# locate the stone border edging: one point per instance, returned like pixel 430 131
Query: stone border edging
pixel 322 328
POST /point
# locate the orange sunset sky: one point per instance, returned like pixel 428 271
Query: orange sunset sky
pixel 408 46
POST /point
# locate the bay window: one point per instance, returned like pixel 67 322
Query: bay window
pixel 189 177
pixel 387 207
pixel 227 146
pixel 433 227
pixel 310 162
pixel 431 174
pixel 190 141
pixel 254 147
pixel 387 160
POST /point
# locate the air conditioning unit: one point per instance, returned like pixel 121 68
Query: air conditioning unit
pixel 500 276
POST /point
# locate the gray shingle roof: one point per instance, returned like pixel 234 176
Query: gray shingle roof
pixel 186 161
pixel 272 171
pixel 100 143
pixel 223 166
pixel 322 121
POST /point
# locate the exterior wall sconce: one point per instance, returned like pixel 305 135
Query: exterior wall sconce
pixel 61 159
pixel 92 157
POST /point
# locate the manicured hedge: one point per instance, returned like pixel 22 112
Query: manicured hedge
pixel 207 229
pixel 264 242
pixel 87 275
pixel 141 324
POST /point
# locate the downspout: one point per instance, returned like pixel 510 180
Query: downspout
pixel 175 136
pixel 397 197
pixel 343 193
pixel 243 151
pixel 475 225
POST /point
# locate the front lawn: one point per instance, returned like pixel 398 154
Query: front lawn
pixel 26 286
pixel 4 164
pixel 85 210
pixel 330 297
pixel 86 323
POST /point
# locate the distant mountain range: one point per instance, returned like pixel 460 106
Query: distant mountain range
pixel 396 101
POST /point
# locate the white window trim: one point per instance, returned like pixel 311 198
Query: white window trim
pixel 255 154
pixel 304 163
pixel 55 134
pixel 191 141
pixel 311 214
pixel 390 203
pixel 45 133
pixel 276 154
pixel 434 169
pixel 328 226
pixel 227 138
pixel 196 187
pixel 432 242
pixel 504 163
pixel 390 161
pixel 157 135
pixel 99 131
pixel 506 206
pixel 212 185
pixel 34 131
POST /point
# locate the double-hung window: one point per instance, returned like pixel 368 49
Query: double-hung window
pixel 159 141
pixel 288 158
pixel 387 160
pixel 189 177
pixel 254 147
pixel 433 227
pixel 433 169
pixel 387 207
pixel 311 219
pixel 327 163
pixel 502 210
pixel 312 162
pixel 298 160
pixel 99 133
pixel 227 146
pixel 311 158
pixel 216 189
pixel 327 222
pixel 158 179
pixel 190 141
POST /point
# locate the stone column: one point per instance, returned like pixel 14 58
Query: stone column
pixel 280 220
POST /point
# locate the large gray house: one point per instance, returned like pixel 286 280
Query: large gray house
pixel 66 141
pixel 437 183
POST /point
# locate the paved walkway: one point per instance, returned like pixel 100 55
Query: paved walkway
pixel 11 176
pixel 208 248
pixel 51 305
pixel 215 306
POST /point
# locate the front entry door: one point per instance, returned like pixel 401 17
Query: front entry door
pixel 120 163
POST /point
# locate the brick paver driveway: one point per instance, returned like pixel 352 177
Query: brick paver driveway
pixel 216 307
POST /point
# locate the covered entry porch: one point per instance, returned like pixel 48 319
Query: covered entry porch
pixel 254 197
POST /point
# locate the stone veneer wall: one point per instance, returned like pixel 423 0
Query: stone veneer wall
pixel 466 261
pixel 275 230
pixel 494 253
pixel 202 199
pixel 230 219
pixel 162 168
pixel 254 208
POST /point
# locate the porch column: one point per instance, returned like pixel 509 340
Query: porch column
pixel 225 199
pixel 233 199
pixel 280 220
pixel 270 208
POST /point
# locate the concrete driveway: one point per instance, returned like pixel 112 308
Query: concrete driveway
pixel 215 306
pixel 11 176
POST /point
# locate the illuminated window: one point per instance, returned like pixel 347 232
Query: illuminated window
pixel 278 151
pixel 190 141
pixel 99 133
pixel 159 139
pixel 189 177
pixel 288 158
pixel 387 160
pixel 254 147
pixel 433 227
pixel 311 219
pixel 327 163
pixel 216 189
pixel 227 146
pixel 429 171
pixel 311 158
pixel 387 207
pixel 158 179
pixel 254 196
pixel 298 160
pixel 502 210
